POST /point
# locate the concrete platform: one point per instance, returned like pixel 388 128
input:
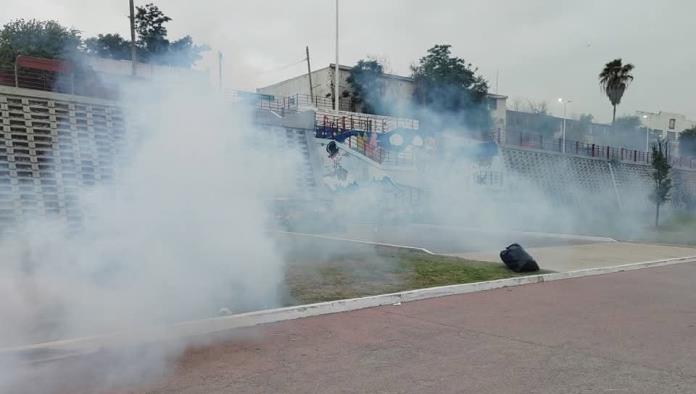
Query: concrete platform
pixel 567 258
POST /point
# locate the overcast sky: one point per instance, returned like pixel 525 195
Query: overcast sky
pixel 542 49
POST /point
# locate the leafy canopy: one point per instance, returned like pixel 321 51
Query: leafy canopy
pixel 661 177
pixel 111 46
pixel 615 78
pixel 687 142
pixel 367 85
pixel 627 123
pixel 31 37
pixel 48 39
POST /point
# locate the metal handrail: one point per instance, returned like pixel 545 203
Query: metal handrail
pixel 573 147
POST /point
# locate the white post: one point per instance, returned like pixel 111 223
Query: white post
pixel 336 70
pixel 647 133
pixel 563 149
pixel 563 138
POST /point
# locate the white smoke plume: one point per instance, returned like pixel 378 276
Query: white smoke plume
pixel 180 233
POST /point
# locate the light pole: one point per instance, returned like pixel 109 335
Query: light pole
pixel 336 71
pixel 565 104
pixel 647 132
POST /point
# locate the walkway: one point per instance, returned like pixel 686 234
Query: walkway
pixel 630 332
pixel 576 257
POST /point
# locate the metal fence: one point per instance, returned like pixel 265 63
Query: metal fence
pixel 539 141
pixel 364 122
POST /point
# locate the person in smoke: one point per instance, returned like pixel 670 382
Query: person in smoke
pixel 332 149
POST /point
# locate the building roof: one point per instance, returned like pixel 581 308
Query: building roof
pixel 343 67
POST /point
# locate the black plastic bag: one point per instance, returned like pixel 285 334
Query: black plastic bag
pixel 518 260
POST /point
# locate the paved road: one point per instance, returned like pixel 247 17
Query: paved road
pixel 630 332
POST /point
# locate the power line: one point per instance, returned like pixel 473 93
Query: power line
pixel 285 66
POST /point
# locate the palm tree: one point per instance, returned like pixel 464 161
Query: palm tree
pixel 614 80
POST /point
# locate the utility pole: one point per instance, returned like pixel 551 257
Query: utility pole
pixel 336 70
pixel 497 75
pixel 309 75
pixel 132 43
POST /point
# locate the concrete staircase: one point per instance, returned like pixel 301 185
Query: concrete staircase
pixel 291 144
pixel 306 177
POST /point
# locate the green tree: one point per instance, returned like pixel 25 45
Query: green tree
pixel 155 47
pixel 111 46
pixel 577 130
pixel 31 37
pixel 687 142
pixel 627 123
pixel 662 178
pixel 541 121
pixel 152 34
pixel 183 52
pixel 367 85
pixel 447 84
pixel 614 79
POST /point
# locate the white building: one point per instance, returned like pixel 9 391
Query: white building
pixel 664 124
pixel 397 89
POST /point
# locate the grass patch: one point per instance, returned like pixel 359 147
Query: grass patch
pixel 379 271
pixel 680 229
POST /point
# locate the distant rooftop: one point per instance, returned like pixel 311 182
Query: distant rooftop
pixel 343 67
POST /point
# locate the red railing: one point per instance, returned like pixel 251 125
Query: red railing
pixel 379 154
pixel 572 147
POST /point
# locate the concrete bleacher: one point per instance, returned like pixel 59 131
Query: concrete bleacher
pixel 572 179
pixel 51 145
pixel 557 175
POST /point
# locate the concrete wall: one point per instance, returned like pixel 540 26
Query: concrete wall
pixel 300 85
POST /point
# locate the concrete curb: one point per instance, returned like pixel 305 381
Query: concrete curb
pixel 51 351
pixel 330 238
pixel 534 233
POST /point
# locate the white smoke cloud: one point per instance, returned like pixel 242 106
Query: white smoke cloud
pixel 180 233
